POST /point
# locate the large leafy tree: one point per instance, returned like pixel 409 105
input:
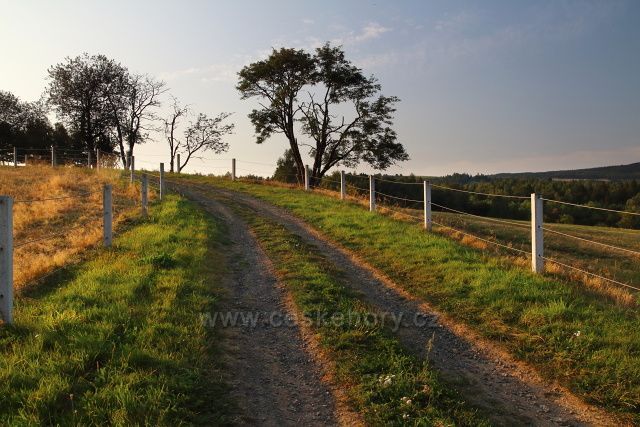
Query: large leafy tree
pixel 336 106
pixel 276 81
pixel 79 90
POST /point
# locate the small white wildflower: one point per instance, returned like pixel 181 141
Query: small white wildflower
pixel 576 334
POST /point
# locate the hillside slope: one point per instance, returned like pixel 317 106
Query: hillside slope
pixel 630 171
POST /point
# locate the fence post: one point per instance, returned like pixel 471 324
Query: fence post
pixel 145 192
pixel 161 180
pixel 427 206
pixel 343 186
pixel 15 157
pixel 372 193
pixel 233 169
pixel 6 258
pixel 89 159
pixel 537 235
pixel 53 156
pixel 26 156
pixel 132 167
pixel 97 159
pixel 107 210
pixel 306 177
pixel 178 163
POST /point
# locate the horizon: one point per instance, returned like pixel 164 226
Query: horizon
pixel 515 88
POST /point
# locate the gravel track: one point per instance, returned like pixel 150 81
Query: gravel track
pixel 272 376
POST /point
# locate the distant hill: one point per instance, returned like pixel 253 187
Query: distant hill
pixel 613 173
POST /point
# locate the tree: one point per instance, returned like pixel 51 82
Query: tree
pixel 25 125
pixel 79 90
pixel 171 124
pixel 132 99
pixel 333 86
pixel 366 135
pixel 277 81
pixel 286 168
pixel 203 134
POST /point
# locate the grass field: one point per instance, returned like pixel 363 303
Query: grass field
pixel 571 333
pixel 118 340
pixel 76 222
pixel 385 384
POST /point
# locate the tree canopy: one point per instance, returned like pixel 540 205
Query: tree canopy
pixel 315 92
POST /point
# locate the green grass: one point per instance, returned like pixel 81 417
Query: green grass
pixel 569 333
pixel 118 339
pixel 385 384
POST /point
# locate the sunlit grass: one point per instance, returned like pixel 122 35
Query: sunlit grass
pixel 118 340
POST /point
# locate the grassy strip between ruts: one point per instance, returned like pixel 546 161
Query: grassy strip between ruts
pixel 572 335
pixel 385 384
pixel 118 339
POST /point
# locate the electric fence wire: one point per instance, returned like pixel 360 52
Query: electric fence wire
pixel 560 233
pixel 480 193
pixel 398 198
pixel 571 267
pixel 488 218
pixel 26 201
pixel 592 207
pixel 482 239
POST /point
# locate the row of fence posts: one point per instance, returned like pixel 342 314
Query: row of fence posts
pixel 537 235
pixel 6 234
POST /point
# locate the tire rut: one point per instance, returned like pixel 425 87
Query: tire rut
pixel 272 377
pixel 507 391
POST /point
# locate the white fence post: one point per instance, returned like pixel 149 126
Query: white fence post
pixel 233 169
pixel 145 195
pixel 15 157
pixel 161 180
pixel 372 193
pixel 97 159
pixel 343 186
pixel 89 159
pixel 26 156
pixel 177 163
pixel 53 156
pixel 306 177
pixel 537 235
pixel 107 211
pixel 6 258
pixel 427 206
pixel 132 167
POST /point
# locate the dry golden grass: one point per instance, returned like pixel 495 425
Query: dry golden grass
pixel 74 223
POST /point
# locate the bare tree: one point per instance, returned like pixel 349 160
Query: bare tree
pixel 171 124
pixel 133 104
pixel 205 134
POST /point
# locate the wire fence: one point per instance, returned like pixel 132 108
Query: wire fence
pixel 414 209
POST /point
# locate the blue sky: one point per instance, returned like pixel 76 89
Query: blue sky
pixel 486 87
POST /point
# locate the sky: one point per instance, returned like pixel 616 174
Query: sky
pixel 485 87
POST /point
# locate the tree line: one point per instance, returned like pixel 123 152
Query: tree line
pixel 102 105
